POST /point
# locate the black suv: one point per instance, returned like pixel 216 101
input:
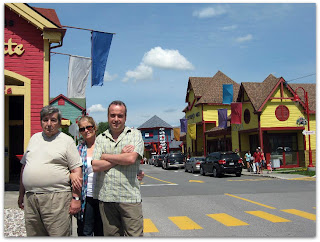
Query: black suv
pixel 175 160
pixel 219 163
pixel 158 161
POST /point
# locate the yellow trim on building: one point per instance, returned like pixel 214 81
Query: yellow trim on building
pixel 18 91
pixel 46 73
pixel 30 15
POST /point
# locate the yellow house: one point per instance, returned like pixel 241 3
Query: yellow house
pixel 204 98
pixel 273 121
pixel 270 119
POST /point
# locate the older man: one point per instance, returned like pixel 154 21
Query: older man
pixel 118 189
pixel 45 191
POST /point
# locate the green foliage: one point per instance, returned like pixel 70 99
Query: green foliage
pixel 102 126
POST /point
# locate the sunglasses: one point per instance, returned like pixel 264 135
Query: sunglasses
pixel 89 128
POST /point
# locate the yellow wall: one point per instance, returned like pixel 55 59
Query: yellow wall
pixel 210 112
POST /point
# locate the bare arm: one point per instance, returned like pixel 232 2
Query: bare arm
pixel 121 159
pixel 21 190
pixel 75 205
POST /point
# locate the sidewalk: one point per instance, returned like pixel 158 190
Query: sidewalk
pixel 278 175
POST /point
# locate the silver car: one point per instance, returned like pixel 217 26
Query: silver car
pixel 193 164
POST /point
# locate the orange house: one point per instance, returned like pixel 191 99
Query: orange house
pixel 29 35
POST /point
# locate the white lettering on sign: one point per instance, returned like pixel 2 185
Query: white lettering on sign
pixel 305 132
pixel 13 48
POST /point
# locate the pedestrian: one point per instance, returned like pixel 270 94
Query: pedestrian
pixel 118 189
pixel 263 161
pixel 257 159
pixel 88 219
pixel 247 157
pixel 45 193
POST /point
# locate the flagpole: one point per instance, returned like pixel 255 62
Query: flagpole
pixel 70 55
pixel 64 26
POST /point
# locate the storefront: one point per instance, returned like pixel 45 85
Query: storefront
pixel 29 34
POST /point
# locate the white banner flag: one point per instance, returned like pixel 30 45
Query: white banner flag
pixel 79 68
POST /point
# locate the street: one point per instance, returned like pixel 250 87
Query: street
pixel 180 204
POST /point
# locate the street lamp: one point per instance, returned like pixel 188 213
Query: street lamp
pixel 296 98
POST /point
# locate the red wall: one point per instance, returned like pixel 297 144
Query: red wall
pixel 30 63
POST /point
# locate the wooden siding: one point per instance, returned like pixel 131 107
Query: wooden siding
pixel 68 110
pixel 29 64
pixel 210 112
pixel 155 137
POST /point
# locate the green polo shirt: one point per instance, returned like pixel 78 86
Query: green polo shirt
pixel 120 183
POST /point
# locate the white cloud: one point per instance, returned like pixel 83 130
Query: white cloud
pixel 166 59
pixel 210 12
pixel 97 108
pixel 244 38
pixel 231 27
pixel 142 72
pixel 108 77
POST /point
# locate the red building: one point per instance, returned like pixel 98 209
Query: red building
pixel 29 34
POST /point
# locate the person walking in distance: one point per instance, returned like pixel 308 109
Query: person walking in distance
pixel 257 159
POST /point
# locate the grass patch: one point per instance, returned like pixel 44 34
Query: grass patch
pixel 299 171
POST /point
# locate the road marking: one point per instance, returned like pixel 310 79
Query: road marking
pixel 302 214
pixel 157 185
pixel 227 220
pixel 268 216
pixel 185 223
pixel 261 179
pixel 196 181
pixel 160 180
pixel 149 227
pixel 260 204
pixel 303 179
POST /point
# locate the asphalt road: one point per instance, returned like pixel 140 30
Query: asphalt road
pixel 180 204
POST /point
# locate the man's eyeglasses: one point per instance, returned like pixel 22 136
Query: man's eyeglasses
pixel 89 128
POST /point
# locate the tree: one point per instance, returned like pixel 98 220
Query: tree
pixel 102 126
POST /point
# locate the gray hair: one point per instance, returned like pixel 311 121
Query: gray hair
pixel 46 110
pixel 120 103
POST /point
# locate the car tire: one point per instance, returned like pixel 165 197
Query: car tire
pixel 238 174
pixel 214 172
pixel 202 172
pixel 185 169
pixel 192 170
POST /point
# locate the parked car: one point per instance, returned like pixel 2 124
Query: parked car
pixel 220 163
pixel 173 160
pixel 152 159
pixel 193 164
pixel 158 161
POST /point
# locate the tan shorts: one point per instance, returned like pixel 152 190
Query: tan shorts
pixel 121 219
pixel 47 214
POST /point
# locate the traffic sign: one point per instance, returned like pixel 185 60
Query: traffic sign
pixel 305 132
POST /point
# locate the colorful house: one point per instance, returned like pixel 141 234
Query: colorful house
pixel 30 34
pixel 204 98
pixel 270 119
pixel 71 108
pixel 273 121
pixel 156 135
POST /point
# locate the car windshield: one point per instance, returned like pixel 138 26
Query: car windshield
pixel 228 156
pixel 199 158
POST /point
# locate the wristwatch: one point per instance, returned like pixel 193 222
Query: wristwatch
pixel 76 198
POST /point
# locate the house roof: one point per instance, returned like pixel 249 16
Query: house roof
pixel 78 102
pixel 210 89
pixel 174 144
pixel 49 14
pixel 155 122
pixel 258 92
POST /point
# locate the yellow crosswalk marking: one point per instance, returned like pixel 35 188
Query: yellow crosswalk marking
pixel 301 213
pixel 268 216
pixel 149 227
pixel 196 181
pixel 185 223
pixel 227 220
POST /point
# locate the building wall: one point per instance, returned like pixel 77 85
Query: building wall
pixel 68 110
pixel 30 63
pixel 155 133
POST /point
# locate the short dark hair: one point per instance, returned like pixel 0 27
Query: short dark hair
pixel 120 103
pixel 50 110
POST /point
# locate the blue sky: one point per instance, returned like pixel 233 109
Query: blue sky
pixel 157 47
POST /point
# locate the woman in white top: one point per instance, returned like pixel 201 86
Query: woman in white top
pixel 88 219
